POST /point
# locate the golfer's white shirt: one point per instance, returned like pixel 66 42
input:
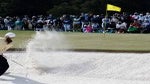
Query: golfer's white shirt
pixel 4 46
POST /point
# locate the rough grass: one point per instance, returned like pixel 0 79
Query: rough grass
pixel 93 41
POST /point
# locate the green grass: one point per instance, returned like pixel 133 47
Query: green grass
pixel 117 42
pixel 93 41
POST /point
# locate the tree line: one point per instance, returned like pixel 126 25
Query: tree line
pixel 59 7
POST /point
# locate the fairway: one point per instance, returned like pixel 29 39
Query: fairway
pixel 92 41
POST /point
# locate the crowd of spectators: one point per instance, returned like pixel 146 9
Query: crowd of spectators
pixel 85 22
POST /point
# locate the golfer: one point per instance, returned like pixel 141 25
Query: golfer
pixel 5 44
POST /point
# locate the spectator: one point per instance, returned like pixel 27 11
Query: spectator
pixel 76 24
pixel 121 27
pixel 105 23
pixel 33 22
pixel 25 24
pixel 39 25
pixel 6 21
pixel 18 24
pixel 67 23
pixel 88 28
pixel 95 27
pixel 146 26
pixel 134 27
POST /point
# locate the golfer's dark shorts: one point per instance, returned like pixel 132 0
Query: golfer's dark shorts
pixel 3 65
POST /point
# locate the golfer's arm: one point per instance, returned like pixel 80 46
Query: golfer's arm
pixel 4 48
pixel 8 46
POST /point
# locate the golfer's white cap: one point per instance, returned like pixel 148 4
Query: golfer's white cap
pixel 10 35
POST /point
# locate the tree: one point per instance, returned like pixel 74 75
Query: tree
pixel 59 7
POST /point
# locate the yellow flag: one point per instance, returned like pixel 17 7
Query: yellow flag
pixel 113 8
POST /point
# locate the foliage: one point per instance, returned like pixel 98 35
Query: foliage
pixel 59 7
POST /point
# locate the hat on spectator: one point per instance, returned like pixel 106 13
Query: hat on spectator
pixel 7 16
pixel 147 13
pixel 33 16
pixel 141 14
pixel 135 13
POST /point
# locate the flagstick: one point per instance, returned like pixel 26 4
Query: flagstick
pixel 105 22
